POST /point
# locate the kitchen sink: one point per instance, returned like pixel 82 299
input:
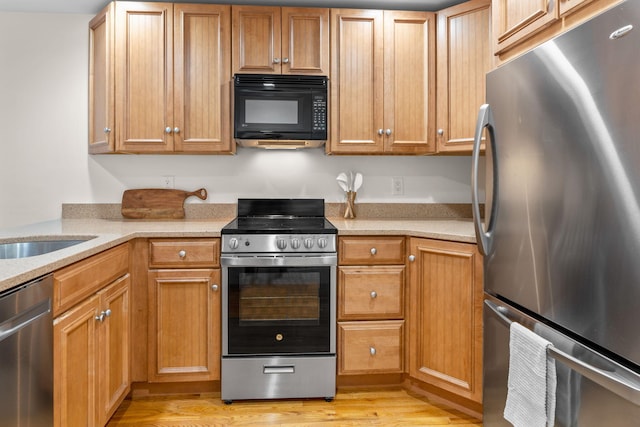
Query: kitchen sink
pixel 24 249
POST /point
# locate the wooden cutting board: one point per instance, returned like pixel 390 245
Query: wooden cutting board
pixel 157 203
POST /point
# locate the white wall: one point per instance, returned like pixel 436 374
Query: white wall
pixel 44 160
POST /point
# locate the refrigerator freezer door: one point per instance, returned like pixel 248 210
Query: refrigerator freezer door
pixel 592 390
pixel 566 240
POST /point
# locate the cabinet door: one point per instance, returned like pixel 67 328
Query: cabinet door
pixel 357 86
pixel 409 82
pixel 516 20
pixel 113 375
pixel 144 71
pixel 370 347
pixel 184 325
pixel 75 359
pixel 256 40
pixel 202 74
pixel 101 82
pixel 445 332
pixel 305 41
pixel 464 59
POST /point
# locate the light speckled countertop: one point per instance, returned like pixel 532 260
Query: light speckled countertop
pixel 112 232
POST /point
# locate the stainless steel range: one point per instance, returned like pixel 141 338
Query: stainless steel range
pixel 279 301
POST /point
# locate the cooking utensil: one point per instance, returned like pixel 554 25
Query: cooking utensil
pixel 157 203
pixel 357 182
pixel 343 181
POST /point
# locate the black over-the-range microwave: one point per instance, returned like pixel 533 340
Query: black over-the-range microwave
pixel 280 111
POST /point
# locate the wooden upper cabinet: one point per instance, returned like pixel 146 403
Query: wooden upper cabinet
pixel 160 78
pixel 202 78
pixel 464 59
pixel 274 40
pixel 516 20
pixel 382 82
pixel 101 82
pixel 144 76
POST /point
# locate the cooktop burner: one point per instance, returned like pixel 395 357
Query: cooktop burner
pixel 278 216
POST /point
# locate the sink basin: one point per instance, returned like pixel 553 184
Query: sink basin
pixel 24 249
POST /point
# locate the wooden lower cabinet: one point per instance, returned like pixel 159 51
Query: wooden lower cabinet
pixel 91 357
pixel 184 325
pixel 445 316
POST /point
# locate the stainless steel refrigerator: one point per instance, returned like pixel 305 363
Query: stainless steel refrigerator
pixel 561 237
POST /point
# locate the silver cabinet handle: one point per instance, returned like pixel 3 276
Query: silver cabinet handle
pixel 374 251
pixel 380 131
pixel 372 351
pixel 374 294
pixel 440 132
pixel 276 60
pixel 176 130
pixel 214 288
pixel 388 132
pixel 412 258
pixel 167 129
pixel 107 130
pixel 285 60
pixel 182 253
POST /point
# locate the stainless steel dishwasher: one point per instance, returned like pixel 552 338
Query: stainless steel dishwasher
pixel 26 355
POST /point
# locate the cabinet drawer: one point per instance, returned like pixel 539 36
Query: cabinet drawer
pixel 371 292
pixel 371 250
pixel 370 347
pixel 184 253
pixel 74 283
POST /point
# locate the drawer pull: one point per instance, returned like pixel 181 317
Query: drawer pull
pixel 214 288
pixel 412 258
pixel 182 253
pixel 374 251
pixel 374 294
pixel 372 350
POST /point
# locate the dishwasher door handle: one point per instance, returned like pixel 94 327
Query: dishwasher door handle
pixel 12 325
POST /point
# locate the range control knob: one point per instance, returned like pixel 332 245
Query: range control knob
pixel 233 243
pixel 295 243
pixel 281 244
pixel 322 243
pixel 308 243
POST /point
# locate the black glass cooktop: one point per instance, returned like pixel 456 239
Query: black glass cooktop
pixel 303 216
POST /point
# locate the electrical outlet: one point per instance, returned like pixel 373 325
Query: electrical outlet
pixel 397 186
pixel 168 181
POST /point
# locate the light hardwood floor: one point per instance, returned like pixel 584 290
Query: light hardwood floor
pixel 383 407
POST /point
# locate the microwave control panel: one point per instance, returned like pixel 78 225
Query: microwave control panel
pixel 319 113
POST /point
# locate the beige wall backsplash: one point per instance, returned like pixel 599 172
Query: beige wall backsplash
pixel 198 211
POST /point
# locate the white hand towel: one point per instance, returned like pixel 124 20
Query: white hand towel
pixel 531 395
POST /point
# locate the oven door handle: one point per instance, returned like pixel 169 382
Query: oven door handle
pixel 292 260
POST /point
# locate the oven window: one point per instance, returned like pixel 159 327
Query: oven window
pixel 283 310
pixel 271 111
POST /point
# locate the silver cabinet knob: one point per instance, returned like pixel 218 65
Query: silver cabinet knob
pixel 167 129
pixel 103 314
pixel 374 294
pixel 374 251
pixel 176 130
pixel 107 312
pixel 440 132
pixel 412 258
pixel 285 60
pixel 107 130
pixel 372 350
pixel 214 288
pixel 182 253
pixel 276 60
pixel 380 131
pixel 388 132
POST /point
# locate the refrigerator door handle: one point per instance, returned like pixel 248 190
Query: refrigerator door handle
pixel 625 384
pixel 484 238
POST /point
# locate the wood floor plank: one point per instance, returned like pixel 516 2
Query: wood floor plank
pixel 386 407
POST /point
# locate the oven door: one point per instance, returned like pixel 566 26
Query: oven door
pixel 278 305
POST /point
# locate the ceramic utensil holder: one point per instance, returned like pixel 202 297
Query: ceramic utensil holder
pixel 350 209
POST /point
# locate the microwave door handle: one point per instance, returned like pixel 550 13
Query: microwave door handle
pixel 627 387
